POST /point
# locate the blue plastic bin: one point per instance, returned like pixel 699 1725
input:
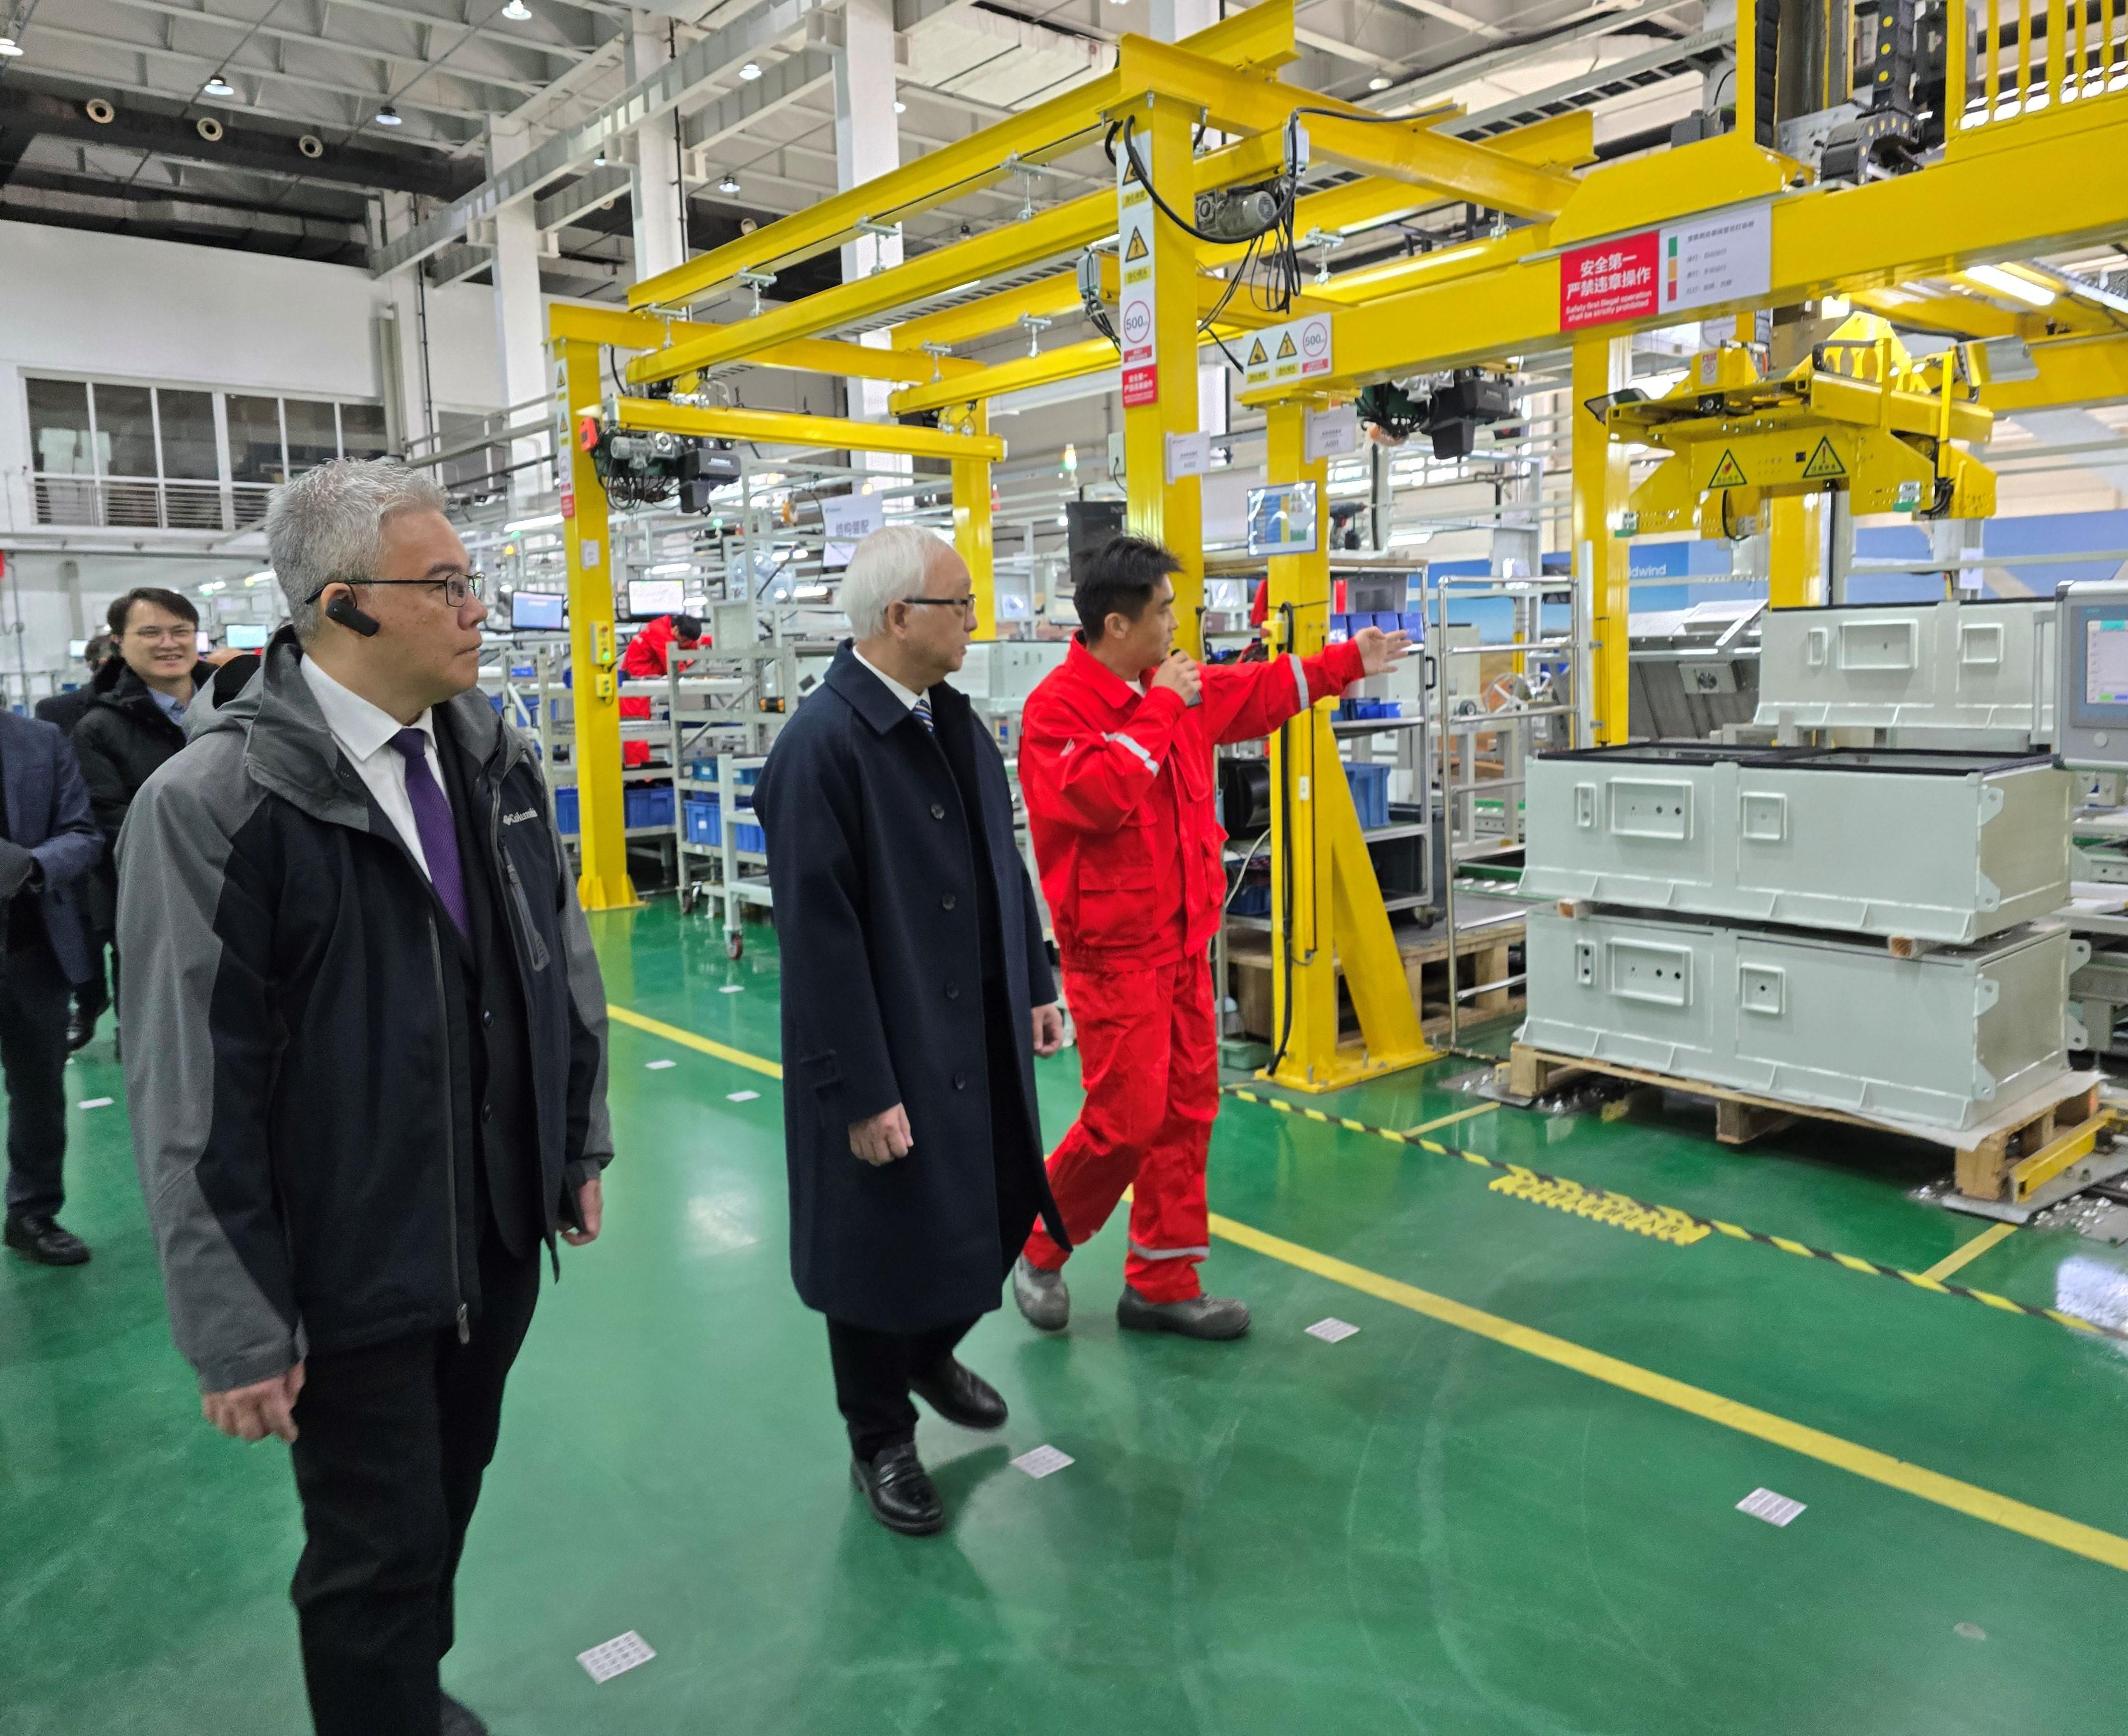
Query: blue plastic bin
pixel 565 808
pixel 748 836
pixel 705 822
pixel 650 805
pixel 1370 793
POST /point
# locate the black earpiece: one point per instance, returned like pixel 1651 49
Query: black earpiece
pixel 343 610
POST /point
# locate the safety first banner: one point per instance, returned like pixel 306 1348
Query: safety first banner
pixel 1278 355
pixel 1136 321
pixel 1726 257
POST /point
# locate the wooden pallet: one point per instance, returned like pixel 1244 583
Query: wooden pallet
pixel 1481 957
pixel 1987 1157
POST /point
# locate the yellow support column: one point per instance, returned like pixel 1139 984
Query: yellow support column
pixel 1599 556
pixel 971 526
pixel 1795 551
pixel 604 883
pixel 1319 850
pixel 1168 513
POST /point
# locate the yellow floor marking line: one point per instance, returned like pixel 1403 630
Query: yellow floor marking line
pixel 1896 1474
pixel 1622 1211
pixel 1460 1115
pixel 1971 1250
pixel 674 1034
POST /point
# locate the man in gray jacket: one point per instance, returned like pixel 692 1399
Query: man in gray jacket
pixel 365 1044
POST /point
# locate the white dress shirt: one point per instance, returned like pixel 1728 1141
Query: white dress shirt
pixel 908 696
pixel 364 733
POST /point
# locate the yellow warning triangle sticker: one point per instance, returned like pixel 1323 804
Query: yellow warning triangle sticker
pixel 1285 347
pixel 1256 356
pixel 1138 249
pixel 1824 462
pixel 1728 474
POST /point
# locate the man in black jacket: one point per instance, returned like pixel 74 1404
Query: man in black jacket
pixel 366 1047
pixel 916 993
pixel 98 894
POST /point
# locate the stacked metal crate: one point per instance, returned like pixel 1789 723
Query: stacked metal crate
pixel 1857 929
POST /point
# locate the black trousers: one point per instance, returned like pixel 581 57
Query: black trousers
pixel 872 1369
pixel 391 1443
pixel 34 993
pixel 873 1373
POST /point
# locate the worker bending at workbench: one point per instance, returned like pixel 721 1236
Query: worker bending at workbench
pixel 1115 763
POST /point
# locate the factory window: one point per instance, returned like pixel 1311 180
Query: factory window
pixel 152 457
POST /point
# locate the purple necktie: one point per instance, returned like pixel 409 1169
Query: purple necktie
pixel 432 821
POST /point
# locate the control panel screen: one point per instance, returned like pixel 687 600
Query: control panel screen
pixel 649 598
pixel 2106 659
pixel 537 611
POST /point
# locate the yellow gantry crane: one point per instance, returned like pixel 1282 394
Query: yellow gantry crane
pixel 2014 176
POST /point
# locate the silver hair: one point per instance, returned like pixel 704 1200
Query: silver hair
pixel 329 524
pixel 889 566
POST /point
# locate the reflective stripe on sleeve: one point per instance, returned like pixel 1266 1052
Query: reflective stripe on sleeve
pixel 1147 759
pixel 1300 679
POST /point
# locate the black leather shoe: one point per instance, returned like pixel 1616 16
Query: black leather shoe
pixel 900 1491
pixel 41 1239
pixel 460 1719
pixel 81 1030
pixel 960 1395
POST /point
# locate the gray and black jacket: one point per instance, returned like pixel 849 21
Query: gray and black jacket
pixel 287 1020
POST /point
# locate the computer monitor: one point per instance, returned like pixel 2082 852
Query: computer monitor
pixel 537 611
pixel 2091 708
pixel 248 635
pixel 77 647
pixel 202 643
pixel 649 598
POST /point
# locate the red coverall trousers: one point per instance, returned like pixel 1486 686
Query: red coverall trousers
pixel 1149 1060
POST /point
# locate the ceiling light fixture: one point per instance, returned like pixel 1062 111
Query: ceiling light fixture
pixel 1379 82
pixel 218 86
pixel 517 12
pixel 2011 284
pixel 729 184
pixel 9 48
pixel 750 71
pixel 388 115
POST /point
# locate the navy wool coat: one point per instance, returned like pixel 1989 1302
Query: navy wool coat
pixel 872 864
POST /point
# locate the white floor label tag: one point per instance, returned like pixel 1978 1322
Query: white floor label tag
pixel 97 1102
pixel 602 1663
pixel 740 1096
pixel 1333 1329
pixel 1776 1510
pixel 733 988
pixel 1041 1461
pixel 658 1066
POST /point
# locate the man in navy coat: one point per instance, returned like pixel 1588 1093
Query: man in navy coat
pixel 916 993
pixel 49 843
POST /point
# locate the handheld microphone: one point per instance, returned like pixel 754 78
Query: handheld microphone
pixel 343 610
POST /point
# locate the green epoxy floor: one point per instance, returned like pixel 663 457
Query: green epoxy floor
pixel 1415 1530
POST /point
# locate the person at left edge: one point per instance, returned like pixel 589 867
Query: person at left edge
pixel 365 1042
pixel 916 993
pixel 49 849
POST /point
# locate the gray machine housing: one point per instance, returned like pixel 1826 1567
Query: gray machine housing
pixel 1947 848
pixel 1939 666
pixel 1938 1042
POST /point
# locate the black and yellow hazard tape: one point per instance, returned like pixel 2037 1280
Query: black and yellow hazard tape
pixel 1669 1224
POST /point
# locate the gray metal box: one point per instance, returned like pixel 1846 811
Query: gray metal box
pixel 1911 666
pixel 1942 846
pixel 1936 1042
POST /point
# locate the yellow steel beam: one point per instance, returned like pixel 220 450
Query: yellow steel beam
pixel 1963 315
pixel 971 526
pixel 2073 371
pixel 1395 276
pixel 1261 37
pixel 1600 367
pixel 1795 545
pixel 1066 361
pixel 1051 298
pixel 812 355
pixel 2037 196
pixel 603 882
pixel 787 427
pixel 604 325
pixel 1402 151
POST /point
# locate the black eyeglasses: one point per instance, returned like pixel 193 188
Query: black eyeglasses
pixel 965 604
pixel 456 588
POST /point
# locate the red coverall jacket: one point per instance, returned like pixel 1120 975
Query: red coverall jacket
pixel 645 658
pixel 1119 797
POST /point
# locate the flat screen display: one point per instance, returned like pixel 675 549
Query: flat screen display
pixel 649 598
pixel 202 643
pixel 77 647
pixel 248 635
pixel 537 611
pixel 2106 659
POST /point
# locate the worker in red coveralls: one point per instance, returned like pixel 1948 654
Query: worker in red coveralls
pixel 1115 763
pixel 644 660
